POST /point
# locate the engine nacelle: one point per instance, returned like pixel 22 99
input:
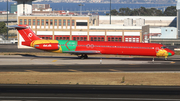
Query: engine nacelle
pixel 47 46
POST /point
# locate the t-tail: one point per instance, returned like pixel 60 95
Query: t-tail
pixel 27 34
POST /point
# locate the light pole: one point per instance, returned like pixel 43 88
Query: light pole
pixel 7 19
pixel 110 12
pixel 81 8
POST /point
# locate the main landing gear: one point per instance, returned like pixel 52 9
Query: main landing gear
pixel 83 56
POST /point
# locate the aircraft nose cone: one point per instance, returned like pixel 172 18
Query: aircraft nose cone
pixel 170 52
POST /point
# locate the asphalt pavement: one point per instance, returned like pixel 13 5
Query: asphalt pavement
pixel 88 93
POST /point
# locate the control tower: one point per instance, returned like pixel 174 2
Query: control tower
pixel 178 18
pixel 24 7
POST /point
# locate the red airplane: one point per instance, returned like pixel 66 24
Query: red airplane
pixel 85 48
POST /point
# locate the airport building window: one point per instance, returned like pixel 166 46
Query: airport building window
pixel 47 22
pixel 59 22
pixel 29 22
pixel 115 38
pixel 72 22
pixel 38 22
pixel 47 37
pixel 80 38
pixel 81 23
pixel 25 22
pixel 68 22
pixel 55 22
pixel 97 38
pixel 64 22
pixel 51 22
pixel 20 21
pixel 34 22
pixel 135 39
pixel 57 37
pixel 42 22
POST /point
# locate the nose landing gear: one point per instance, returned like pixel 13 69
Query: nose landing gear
pixel 165 58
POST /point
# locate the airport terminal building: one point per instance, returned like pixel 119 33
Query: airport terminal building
pixel 81 28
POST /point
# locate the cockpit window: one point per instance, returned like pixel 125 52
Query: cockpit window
pixel 163 47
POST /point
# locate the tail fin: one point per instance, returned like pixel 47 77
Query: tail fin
pixel 26 32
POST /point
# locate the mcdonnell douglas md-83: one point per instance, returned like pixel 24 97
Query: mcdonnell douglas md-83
pixel 85 48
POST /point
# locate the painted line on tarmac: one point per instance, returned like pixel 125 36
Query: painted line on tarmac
pixel 54 60
pixel 113 70
pixel 72 70
pixel 30 71
pixel 84 98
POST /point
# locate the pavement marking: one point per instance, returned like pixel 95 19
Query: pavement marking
pixel 173 62
pixel 30 71
pixel 72 70
pixel 113 70
pixel 54 60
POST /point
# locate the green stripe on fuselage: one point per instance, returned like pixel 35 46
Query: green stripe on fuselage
pixel 67 45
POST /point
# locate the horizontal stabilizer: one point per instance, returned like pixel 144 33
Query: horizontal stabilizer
pixel 16 26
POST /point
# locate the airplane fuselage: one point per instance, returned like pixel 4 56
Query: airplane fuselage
pixel 115 48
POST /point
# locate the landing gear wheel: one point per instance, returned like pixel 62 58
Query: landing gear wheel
pixel 83 56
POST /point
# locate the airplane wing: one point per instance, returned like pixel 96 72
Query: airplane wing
pixel 82 52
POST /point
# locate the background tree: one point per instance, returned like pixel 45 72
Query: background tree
pixel 142 11
pixel 155 12
pixel 3 28
pixel 170 11
pixel 125 11
pixel 114 12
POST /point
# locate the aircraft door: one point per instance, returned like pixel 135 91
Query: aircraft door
pixel 157 49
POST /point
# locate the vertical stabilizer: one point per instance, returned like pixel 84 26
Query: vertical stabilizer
pixel 26 32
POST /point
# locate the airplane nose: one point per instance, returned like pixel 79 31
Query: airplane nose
pixel 170 52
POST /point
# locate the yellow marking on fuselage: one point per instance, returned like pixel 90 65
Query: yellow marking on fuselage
pixel 35 42
pixel 58 51
pixel 161 53
pixel 42 42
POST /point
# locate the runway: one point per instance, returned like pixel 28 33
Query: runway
pixel 18 63
pixel 90 68
pixel 88 93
